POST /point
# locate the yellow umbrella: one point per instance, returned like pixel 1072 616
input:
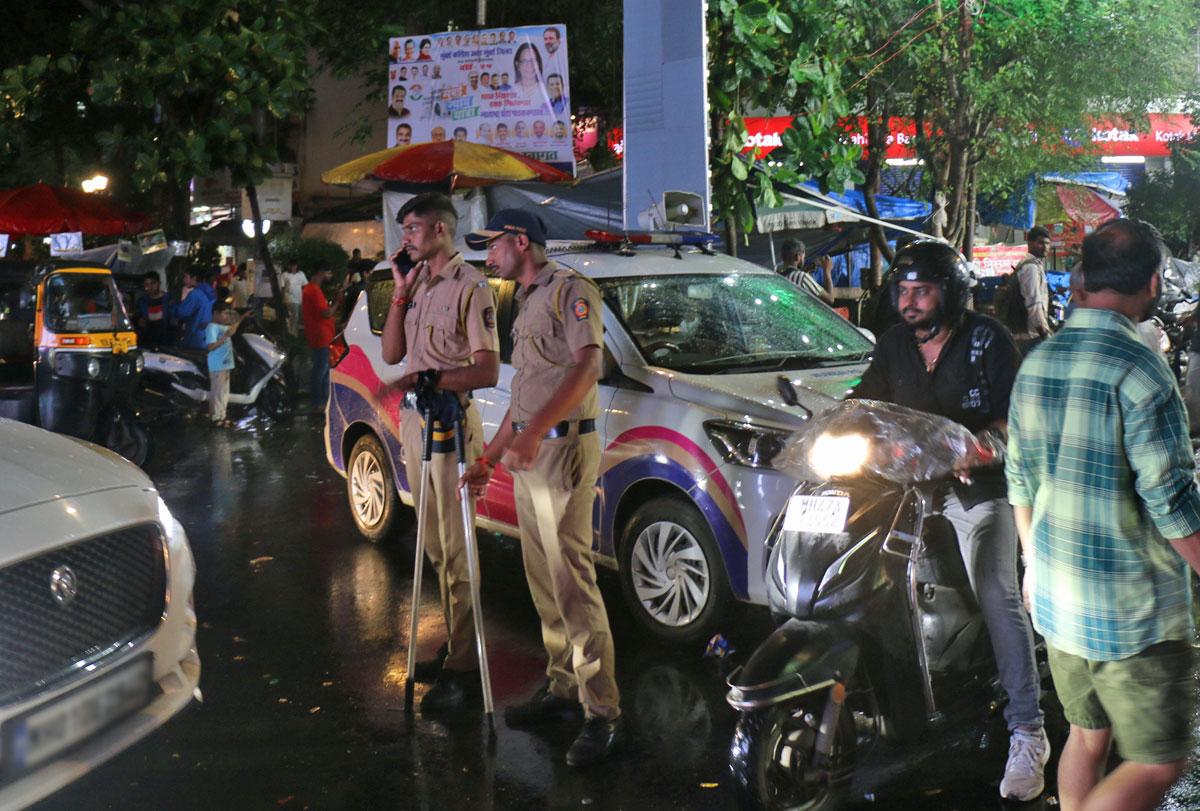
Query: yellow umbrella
pixel 461 162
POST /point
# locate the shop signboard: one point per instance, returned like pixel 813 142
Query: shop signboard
pixel 1110 136
pixel 507 87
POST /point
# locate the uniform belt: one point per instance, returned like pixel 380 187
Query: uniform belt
pixel 562 429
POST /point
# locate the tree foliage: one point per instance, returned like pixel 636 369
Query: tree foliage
pixel 1171 200
pixel 999 82
pixel 776 57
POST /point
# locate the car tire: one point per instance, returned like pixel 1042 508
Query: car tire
pixel 371 489
pixel 671 571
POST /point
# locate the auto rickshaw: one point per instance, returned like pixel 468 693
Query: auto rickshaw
pixel 69 360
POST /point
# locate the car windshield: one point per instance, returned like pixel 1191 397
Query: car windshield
pixel 84 302
pixel 711 323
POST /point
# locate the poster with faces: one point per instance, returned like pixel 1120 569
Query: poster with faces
pixel 506 87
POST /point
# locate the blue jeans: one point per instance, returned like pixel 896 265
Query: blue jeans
pixel 987 538
pixel 319 380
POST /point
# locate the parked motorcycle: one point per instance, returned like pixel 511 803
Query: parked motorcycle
pixel 883 644
pixel 176 378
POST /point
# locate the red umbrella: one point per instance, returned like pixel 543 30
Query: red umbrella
pixel 43 209
pixel 461 162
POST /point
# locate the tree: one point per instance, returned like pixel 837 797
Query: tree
pixel 997 84
pixel 782 57
pixel 184 88
pixel 1171 200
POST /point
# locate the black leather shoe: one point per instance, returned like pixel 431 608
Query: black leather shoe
pixel 596 741
pixel 426 672
pixel 451 691
pixel 542 706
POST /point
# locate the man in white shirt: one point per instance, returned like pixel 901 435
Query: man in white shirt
pixel 293 291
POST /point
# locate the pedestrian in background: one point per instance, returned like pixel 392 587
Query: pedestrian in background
pixel 293 293
pixel 793 268
pixel 548 441
pixel 442 322
pixel 1030 275
pixel 241 289
pixel 217 337
pixel 194 309
pixel 262 287
pixel 1102 483
pixel 153 313
pixel 318 312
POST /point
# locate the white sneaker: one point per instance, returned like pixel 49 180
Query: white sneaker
pixel 1027 756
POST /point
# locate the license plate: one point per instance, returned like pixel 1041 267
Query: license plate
pixel 825 514
pixel 58 725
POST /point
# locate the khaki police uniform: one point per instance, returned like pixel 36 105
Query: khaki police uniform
pixel 559 315
pixel 450 316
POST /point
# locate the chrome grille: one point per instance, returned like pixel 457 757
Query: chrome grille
pixel 45 634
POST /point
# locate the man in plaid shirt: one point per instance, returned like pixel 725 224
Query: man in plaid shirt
pixel 1101 479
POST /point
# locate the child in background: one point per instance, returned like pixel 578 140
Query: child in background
pixel 220 359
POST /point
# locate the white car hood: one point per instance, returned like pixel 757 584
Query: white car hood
pixel 38 466
pixel 757 395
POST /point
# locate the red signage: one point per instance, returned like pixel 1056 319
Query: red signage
pixel 1112 136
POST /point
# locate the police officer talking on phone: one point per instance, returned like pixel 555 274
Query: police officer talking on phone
pixel 442 320
pixel 548 442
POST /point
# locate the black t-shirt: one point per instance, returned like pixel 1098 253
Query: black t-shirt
pixel 971 383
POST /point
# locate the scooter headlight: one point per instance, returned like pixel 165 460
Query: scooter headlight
pixel 139 363
pixel 839 455
pixel 93 367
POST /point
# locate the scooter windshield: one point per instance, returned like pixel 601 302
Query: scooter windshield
pixel 84 302
pixel 869 437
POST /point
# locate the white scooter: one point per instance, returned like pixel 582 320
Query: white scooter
pixel 174 376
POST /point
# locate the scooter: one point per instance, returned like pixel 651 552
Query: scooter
pixel 176 378
pixel 882 645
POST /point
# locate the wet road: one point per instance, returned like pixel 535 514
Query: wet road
pixel 303 641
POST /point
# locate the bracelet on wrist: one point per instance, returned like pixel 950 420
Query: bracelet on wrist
pixel 487 462
pixel 398 301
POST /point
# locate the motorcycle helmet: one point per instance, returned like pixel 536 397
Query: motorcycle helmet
pixel 935 262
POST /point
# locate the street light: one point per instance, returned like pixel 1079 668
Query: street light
pixel 248 227
pixel 95 183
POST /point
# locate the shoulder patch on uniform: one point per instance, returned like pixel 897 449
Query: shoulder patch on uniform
pixel 581 309
pixel 489 318
pixel 482 283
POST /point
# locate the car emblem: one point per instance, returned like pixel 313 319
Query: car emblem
pixel 63 585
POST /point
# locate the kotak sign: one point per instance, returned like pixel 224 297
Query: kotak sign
pixel 1112 136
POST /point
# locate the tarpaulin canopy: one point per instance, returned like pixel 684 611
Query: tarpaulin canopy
pixel 799 213
pixel 1021 210
pixel 44 209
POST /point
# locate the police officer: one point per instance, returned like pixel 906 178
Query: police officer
pixel 442 320
pixel 548 441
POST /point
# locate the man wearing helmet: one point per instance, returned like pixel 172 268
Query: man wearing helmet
pixel 946 360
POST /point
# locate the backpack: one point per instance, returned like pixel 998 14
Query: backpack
pixel 1010 304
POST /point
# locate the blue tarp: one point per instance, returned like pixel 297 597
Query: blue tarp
pixel 1018 211
pixel 1111 182
pixel 890 208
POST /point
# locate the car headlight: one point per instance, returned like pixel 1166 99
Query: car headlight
pixel 745 444
pixel 839 455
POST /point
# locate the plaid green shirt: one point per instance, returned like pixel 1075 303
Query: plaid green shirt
pixel 1098 447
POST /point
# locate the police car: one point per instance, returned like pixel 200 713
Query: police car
pixel 710 365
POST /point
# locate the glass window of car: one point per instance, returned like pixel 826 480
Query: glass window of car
pixel 712 323
pixel 84 302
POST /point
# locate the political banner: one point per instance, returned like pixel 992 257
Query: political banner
pixel 507 87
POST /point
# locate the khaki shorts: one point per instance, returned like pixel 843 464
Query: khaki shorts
pixel 1146 699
